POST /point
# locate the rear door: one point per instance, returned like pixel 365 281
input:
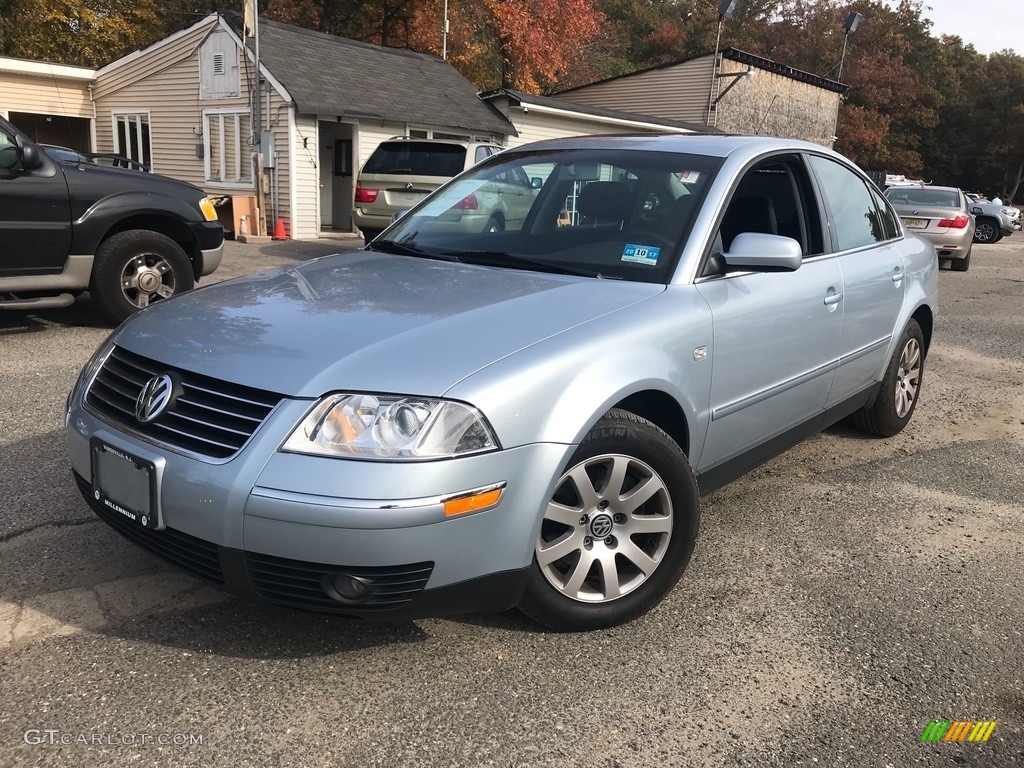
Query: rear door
pixel 35 213
pixel 864 236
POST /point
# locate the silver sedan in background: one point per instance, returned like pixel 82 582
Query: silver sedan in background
pixel 940 214
pixel 451 421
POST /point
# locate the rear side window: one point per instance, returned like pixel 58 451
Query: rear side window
pixel 890 228
pixel 417 159
pixel 857 220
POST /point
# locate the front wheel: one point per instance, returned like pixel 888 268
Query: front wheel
pixel 986 231
pixel 135 268
pixel 901 387
pixel 618 531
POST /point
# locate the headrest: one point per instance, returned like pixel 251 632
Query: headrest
pixel 605 200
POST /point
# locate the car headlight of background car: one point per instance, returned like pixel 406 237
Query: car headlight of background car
pixel 366 426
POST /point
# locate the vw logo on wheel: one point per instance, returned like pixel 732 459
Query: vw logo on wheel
pixel 154 398
pixel 600 526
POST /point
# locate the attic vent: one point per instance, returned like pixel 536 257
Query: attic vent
pixel 218 63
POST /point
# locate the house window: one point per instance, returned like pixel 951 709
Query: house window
pixel 132 135
pixel 228 149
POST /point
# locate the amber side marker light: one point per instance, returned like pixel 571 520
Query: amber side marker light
pixel 475 501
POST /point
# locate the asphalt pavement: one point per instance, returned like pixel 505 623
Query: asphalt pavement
pixel 841 597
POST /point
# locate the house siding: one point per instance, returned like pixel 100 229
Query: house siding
pixel 176 117
pixel 677 92
pixel 534 126
pixel 305 216
pixel 44 95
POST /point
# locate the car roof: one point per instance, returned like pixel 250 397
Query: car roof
pixel 714 145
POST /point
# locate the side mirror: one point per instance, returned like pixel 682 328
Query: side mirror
pixel 31 157
pixel 975 210
pixel 536 182
pixel 762 252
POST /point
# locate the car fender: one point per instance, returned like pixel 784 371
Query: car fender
pixel 554 391
pixel 921 266
pixel 107 213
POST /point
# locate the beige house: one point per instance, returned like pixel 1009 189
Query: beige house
pixel 737 93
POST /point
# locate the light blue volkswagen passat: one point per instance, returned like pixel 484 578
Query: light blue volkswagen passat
pixel 449 421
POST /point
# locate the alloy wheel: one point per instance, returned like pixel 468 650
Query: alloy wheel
pixel 147 278
pixel 606 529
pixel 908 377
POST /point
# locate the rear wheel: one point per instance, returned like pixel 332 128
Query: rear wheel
pixel 618 531
pixel 133 269
pixel 961 265
pixel 494 224
pixel 897 397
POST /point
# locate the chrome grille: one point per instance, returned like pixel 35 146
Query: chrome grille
pixel 210 417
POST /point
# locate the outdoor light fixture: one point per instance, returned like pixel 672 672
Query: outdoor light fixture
pixel 749 72
pixel 852 22
pixel 725 9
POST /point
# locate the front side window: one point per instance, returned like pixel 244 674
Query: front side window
pixel 132 135
pixel 857 220
pixel 227 147
pixel 608 213
pixel 10 157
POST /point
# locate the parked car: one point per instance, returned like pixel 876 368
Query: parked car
pixel 994 222
pixel 67 154
pixel 452 421
pixel 66 226
pixel 402 171
pixel 941 215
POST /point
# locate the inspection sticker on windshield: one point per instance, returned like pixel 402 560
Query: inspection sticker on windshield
pixel 641 254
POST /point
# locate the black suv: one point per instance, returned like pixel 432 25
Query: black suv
pixel 67 226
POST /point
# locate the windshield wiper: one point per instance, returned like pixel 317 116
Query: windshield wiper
pixel 502 259
pixel 391 246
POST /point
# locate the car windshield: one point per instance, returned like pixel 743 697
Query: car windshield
pixel 940 198
pixel 608 213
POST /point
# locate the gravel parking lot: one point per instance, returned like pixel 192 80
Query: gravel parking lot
pixel 840 598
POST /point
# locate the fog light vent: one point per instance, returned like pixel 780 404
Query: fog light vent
pixel 347 589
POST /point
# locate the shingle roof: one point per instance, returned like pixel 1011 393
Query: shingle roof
pixel 329 75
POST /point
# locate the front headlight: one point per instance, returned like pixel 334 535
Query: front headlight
pixel 362 426
pixel 209 212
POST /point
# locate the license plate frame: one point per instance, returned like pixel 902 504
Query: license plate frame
pixel 125 484
pixel 912 223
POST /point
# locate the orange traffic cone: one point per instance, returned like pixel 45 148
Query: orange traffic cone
pixel 279 230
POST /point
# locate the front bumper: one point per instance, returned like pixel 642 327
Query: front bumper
pixel 279 527
pixel 209 237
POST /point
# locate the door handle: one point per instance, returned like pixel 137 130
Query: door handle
pixel 833 297
pixel 897 275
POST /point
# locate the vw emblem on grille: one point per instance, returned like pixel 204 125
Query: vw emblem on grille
pixel 154 398
pixel 600 526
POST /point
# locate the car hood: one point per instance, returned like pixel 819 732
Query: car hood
pixel 368 321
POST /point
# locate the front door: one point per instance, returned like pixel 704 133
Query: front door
pixel 777 334
pixel 326 176
pixel 35 214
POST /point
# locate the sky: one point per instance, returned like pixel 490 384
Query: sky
pixel 989 25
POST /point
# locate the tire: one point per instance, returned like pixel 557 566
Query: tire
pixel 586 570
pixel 961 265
pixel 135 268
pixel 986 231
pixel 370 234
pixel 494 224
pixel 897 398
